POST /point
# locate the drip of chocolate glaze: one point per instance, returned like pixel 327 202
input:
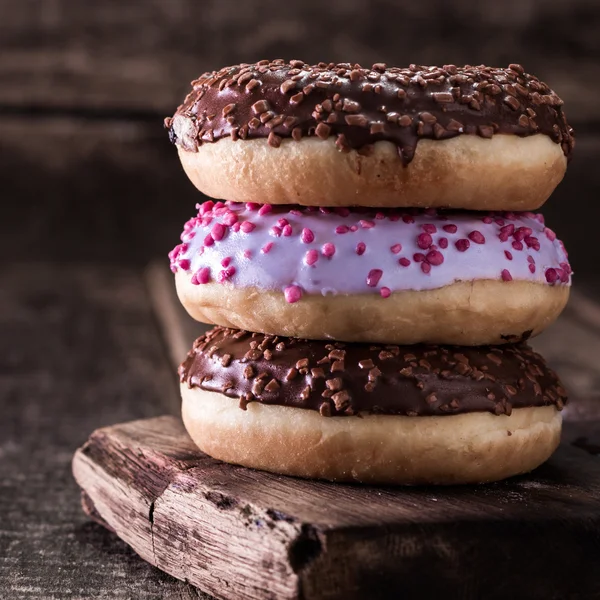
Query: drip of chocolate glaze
pixel 345 379
pixel 360 106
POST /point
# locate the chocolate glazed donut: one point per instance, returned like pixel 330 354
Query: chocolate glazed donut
pixel 280 132
pixel 370 413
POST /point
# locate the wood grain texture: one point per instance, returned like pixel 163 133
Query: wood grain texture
pixel 140 56
pixel 244 534
pixel 79 349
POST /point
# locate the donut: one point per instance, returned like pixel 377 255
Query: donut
pixel 365 275
pixel 367 413
pixel 477 138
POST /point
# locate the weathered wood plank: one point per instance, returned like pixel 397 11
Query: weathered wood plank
pixel 140 56
pixel 239 533
pixel 79 348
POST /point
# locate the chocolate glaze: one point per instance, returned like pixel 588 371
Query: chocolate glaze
pixel 361 106
pixel 345 379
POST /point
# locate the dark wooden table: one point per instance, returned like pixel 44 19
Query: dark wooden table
pixel 92 193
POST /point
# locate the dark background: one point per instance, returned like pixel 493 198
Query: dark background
pixel 84 87
pixel 91 191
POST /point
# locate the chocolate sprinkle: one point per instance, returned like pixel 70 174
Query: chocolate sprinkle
pixel 448 381
pixel 360 106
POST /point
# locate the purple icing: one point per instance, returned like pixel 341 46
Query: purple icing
pixel 306 250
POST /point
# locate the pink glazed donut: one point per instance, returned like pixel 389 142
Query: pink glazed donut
pixel 397 276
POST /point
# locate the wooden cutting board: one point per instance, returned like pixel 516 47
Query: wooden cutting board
pixel 242 534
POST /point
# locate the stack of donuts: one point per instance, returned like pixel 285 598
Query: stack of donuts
pixel 374 265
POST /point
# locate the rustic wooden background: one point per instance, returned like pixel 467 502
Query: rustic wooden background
pixel 91 191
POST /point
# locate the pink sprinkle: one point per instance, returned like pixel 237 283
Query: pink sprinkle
pixel 283 222
pixel 566 267
pixel 530 259
pixel 429 228
pixel 396 248
pixel 366 224
pixel 430 212
pixel 230 218
pixel 186 236
pixel 503 237
pixel 353 227
pixel 385 292
pixel 307 236
pixel 424 241
pixel 287 230
pixel 532 242
pixel 373 277
pixel 206 220
pixel 379 215
pixel 267 248
pixel 510 216
pixel 531 267
pixel 443 242
pixel 551 275
pixel 487 220
pixel 462 245
pixel 407 219
pixel 499 221
pixel 508 254
pixel 236 226
pixel 342 211
pixel 450 228
pixel 435 258
pixel 252 206
pixel 325 210
pixel 342 229
pixel 219 204
pixel 328 250
pixel 203 275
pixel 265 209
pixel 296 212
pixel 219 212
pixel 276 231
pixel 292 293
pixel 521 233
pixel 226 261
pixel 218 231
pixel 206 207
pixel 226 274
pixel 360 248
pixel 247 226
pixel 200 251
pixel 404 262
pixel 208 240
pixel 517 245
pixel 564 276
pixel 248 253
pixel 550 234
pixel 508 229
pixel 506 276
pixel 311 257
pixel 477 237
pixel 394 218
pixel 184 264
pixel 425 267
pixel 418 257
